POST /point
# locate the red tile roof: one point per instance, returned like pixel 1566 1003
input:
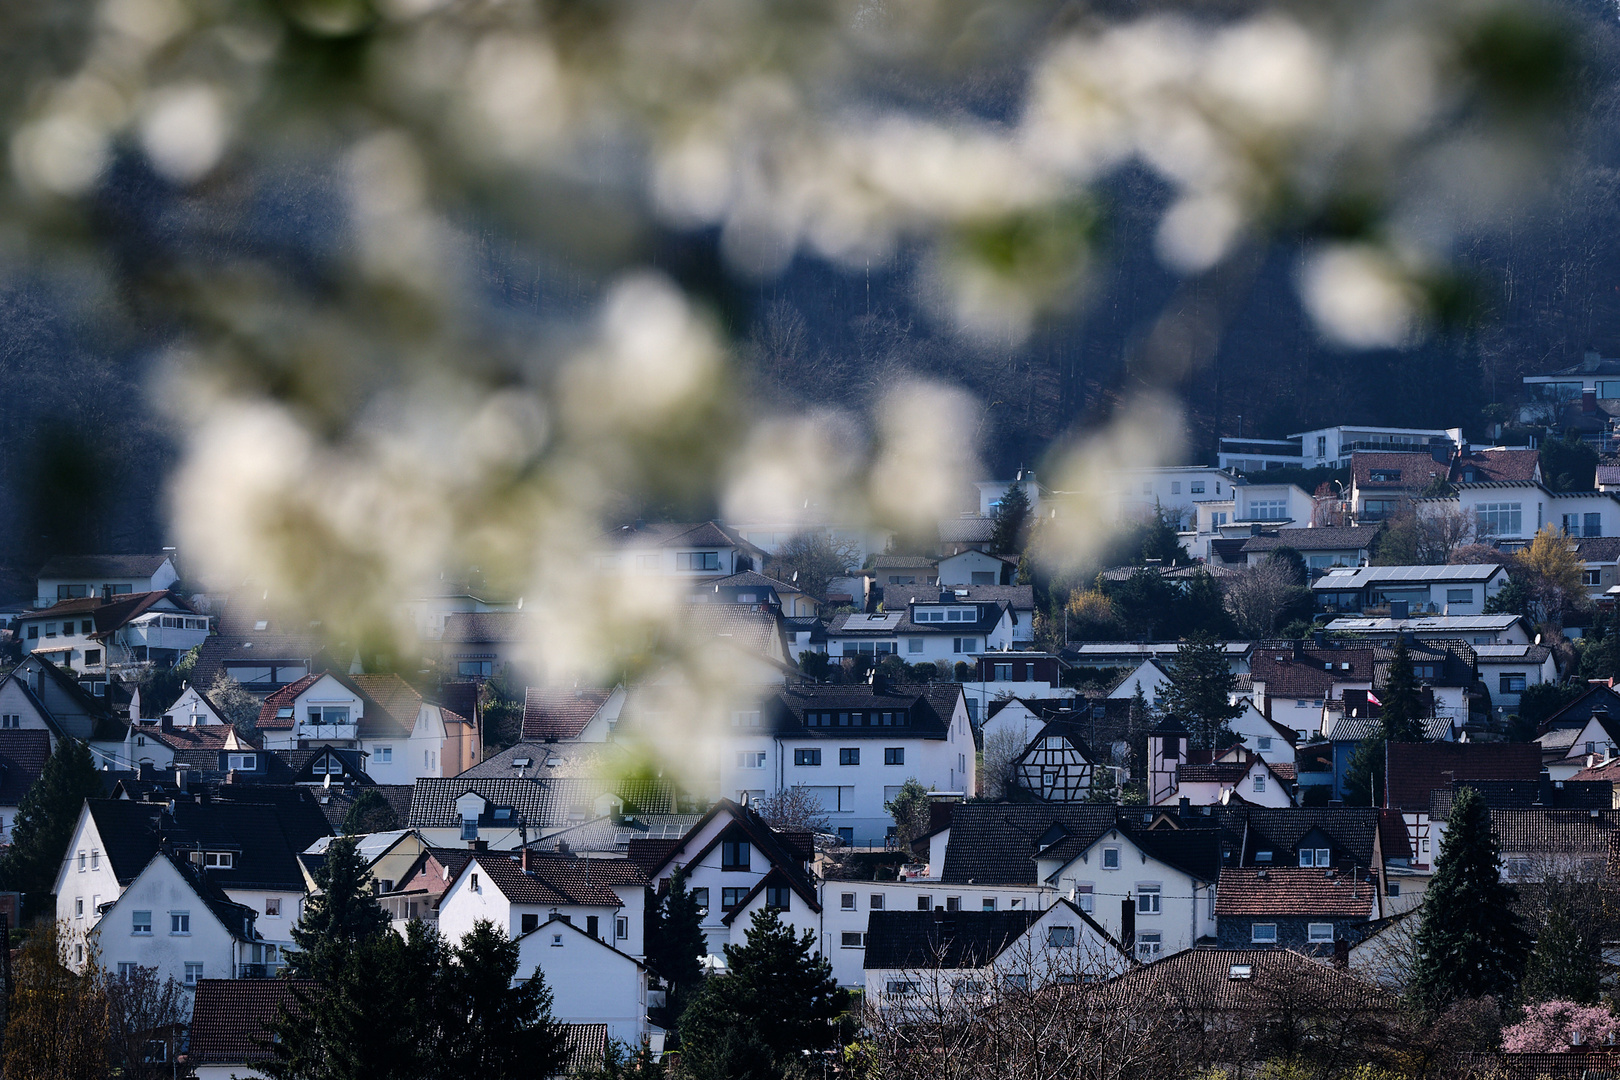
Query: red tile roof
pixel 560 712
pixel 1416 470
pixel 1292 890
pixel 1511 466
pixel 283 699
pixel 1307 677
pixel 1413 770
pixel 397 697
pixel 228 1015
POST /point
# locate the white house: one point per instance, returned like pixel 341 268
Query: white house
pixel 75 577
pixel 1152 675
pixel 1473 629
pixel 703 549
pixel 972 567
pixel 1509 670
pixel 992 491
pixel 1263 737
pixel 1511 513
pixel 1328 448
pixel 1456 590
pixel 853 747
pixel 591 981
pixel 604 897
pixel 92 636
pixel 173 917
pixel 1247 778
pixel 734 864
pixel 942 628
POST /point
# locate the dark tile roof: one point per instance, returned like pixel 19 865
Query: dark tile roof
pixel 555 712
pixel 335 804
pixel 236 918
pixel 1502 466
pixel 559 879
pixel 1292 891
pixel 971 530
pixel 1574 794
pixel 1578 712
pixel 587 1047
pixel 1351 832
pixel 1309 675
pixel 1200 981
pixel 922 940
pixel 1357 728
pixel 1454 661
pixel 1597 548
pixel 928 708
pixel 460 698
pixel 1545 831
pixel 264 836
pixel 787 852
pixel 1413 770
pixel 861 624
pixel 478 627
pixel 23 753
pixel 996 843
pixel 680 534
pixel 1321 538
pixel 1417 470
pixel 545 803
pixel 753 579
pixel 229 1017
pixel 94 566
pixel 904 562
pixel 746 628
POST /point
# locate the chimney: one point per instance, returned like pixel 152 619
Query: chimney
pixel 180 779
pixel 1184 807
pixel 1254 529
pixel 1319 638
pixel 1544 789
pixel 1398 609
pixel 1127 923
pixel 480 845
pixel 1299 649
pixel 1588 401
pixel 1341 954
pixel 168 722
pixel 946 596
pixel 230 776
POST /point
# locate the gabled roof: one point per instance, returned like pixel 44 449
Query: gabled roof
pixel 1577 793
pixel 557 879
pixel 100 566
pixel 1412 471
pixel 969 530
pixel 1577 713
pixel 1504 466
pixel 743 627
pixel 1413 770
pixel 265 838
pixel 1249 981
pixel 1547 831
pixel 283 699
pixel 1320 538
pixel 230 1018
pixel 1292 891
pixel 1312 672
pixel 477 627
pixel 587 1047
pixel 1358 728
pixel 929 708
pixel 750 579
pixel 400 701
pixel 926 940
pixel 681 534
pixel 904 562
pixel 895 619
pixel 1351 831
pixel 556 712
pixel 782 850
pixel 23 753
pixel 237 919
pixel 544 803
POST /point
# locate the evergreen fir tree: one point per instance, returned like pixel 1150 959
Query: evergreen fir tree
pixel 501 1032
pixel 1009 522
pixel 775 974
pixel 1471 943
pixel 675 942
pixel 1402 701
pixel 1364 776
pixel 342 912
pixel 1564 965
pixel 46 817
pixel 1200 692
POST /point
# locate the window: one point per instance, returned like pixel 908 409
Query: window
pixel 776 898
pixel 846 836
pixel 1499 519
pixel 272 906
pixel 1085 898
pixel 1110 858
pixel 811 756
pixel 1148 900
pixel 385 755
pixel 894 755
pixel 12 720
pixel 1426 671
pixel 82 863
pixel 469 828
pixel 847 901
pixel 1512 682
pixel 1459 596
pixel 1318 932
pixel 1175 487
pixel 593 925
pixel 194 972
pixel 849 755
pixel 556 941
pixel 852 940
pixel 965 644
pixel 1385 476
pixel 1322 857
pixel 1263 933
pixel 1591 577
pixel 219 860
pixel 621 927
pixel 529 923
pixel 473 884
pixel 697 560
pixel 1263 742
pixel 1197 487
pixel 95 858
pixel 179 922
pixel 735 855
pixel 730 898
pixel 1269 510
pixel 1394 889
pixel 914 644
pixel 1148 946
pixel 1593 526
pixel 953 903
pixel 750 759
pixel 1060 937
pixel 875 902
pixel 126 969
pixel 72 592
pixel 78 907
pixel 897 988
pixel 1018 982
pixel 242 762
pixel 140 922
pixel 748 718
pixel 1259 783
pixel 92 656
pixel 33 631
pixel 700 898
pixel 989 903
pixel 925 903
pixel 50 629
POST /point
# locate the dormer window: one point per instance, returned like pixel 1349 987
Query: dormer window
pixel 503 813
pixel 219 860
pixel 521 762
pixel 242 762
pixel 469 831
pixel 284 713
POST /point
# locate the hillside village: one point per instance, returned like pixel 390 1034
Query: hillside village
pixel 1262 722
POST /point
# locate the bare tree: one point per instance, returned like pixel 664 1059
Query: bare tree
pixel 146 1017
pixel 1258 595
pixel 812 559
pixel 1002 749
pixel 1440 532
pixel 794 807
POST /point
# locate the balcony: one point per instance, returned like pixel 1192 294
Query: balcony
pixel 326 733
pixel 257 971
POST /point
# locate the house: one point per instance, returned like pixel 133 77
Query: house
pixel 1472 629
pixel 916 959
pixel 565 715
pixel 991 493
pixel 248 851
pixel 1057 765
pixel 1129 654
pixel 1508 513
pixel 1498 465
pixel 1292 907
pixel 1447 590
pixel 756 590
pixel 260 651
pixel 94 636
pixel 504 812
pixel 1413 770
pixel 704 549
pixel 1352 841
pixel 1350 727
pixel 1002 676
pixel 919 570
pixel 1541 843
pixel 1245 777
pixel 390 857
pixel 1322 547
pixel 1595 742
pixel 1330 448
pixel 1600 565
pixel 519 892
pixel 1383 483
pixel 973 568
pixel 967 533
pixel 470 594
pixel 230 1024
pixel 939 628
pixel 735 864
pixel 1509 670
pixel 37 695
pixel 1264 737
pixel 852 746
pixel 1019 598
pixel 1151 676
pixel 591 980
pixel 23 754
pixel 1291 681
pixel 77 577
pixel 1560 731
pixel 191 709
pixel 403 735
pixel 417 890
pixel 173 916
pixel 479 645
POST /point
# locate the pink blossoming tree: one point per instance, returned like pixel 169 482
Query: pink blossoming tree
pixel 1552 1027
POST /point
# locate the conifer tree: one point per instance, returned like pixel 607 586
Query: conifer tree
pixel 342 913
pixel 1009 521
pixel 1471 943
pixel 1200 692
pixel 45 821
pixel 1364 776
pixel 675 942
pixel 501 1031
pixel 1402 701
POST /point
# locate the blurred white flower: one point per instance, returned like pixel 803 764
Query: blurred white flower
pixel 1359 296
pixel 184 131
